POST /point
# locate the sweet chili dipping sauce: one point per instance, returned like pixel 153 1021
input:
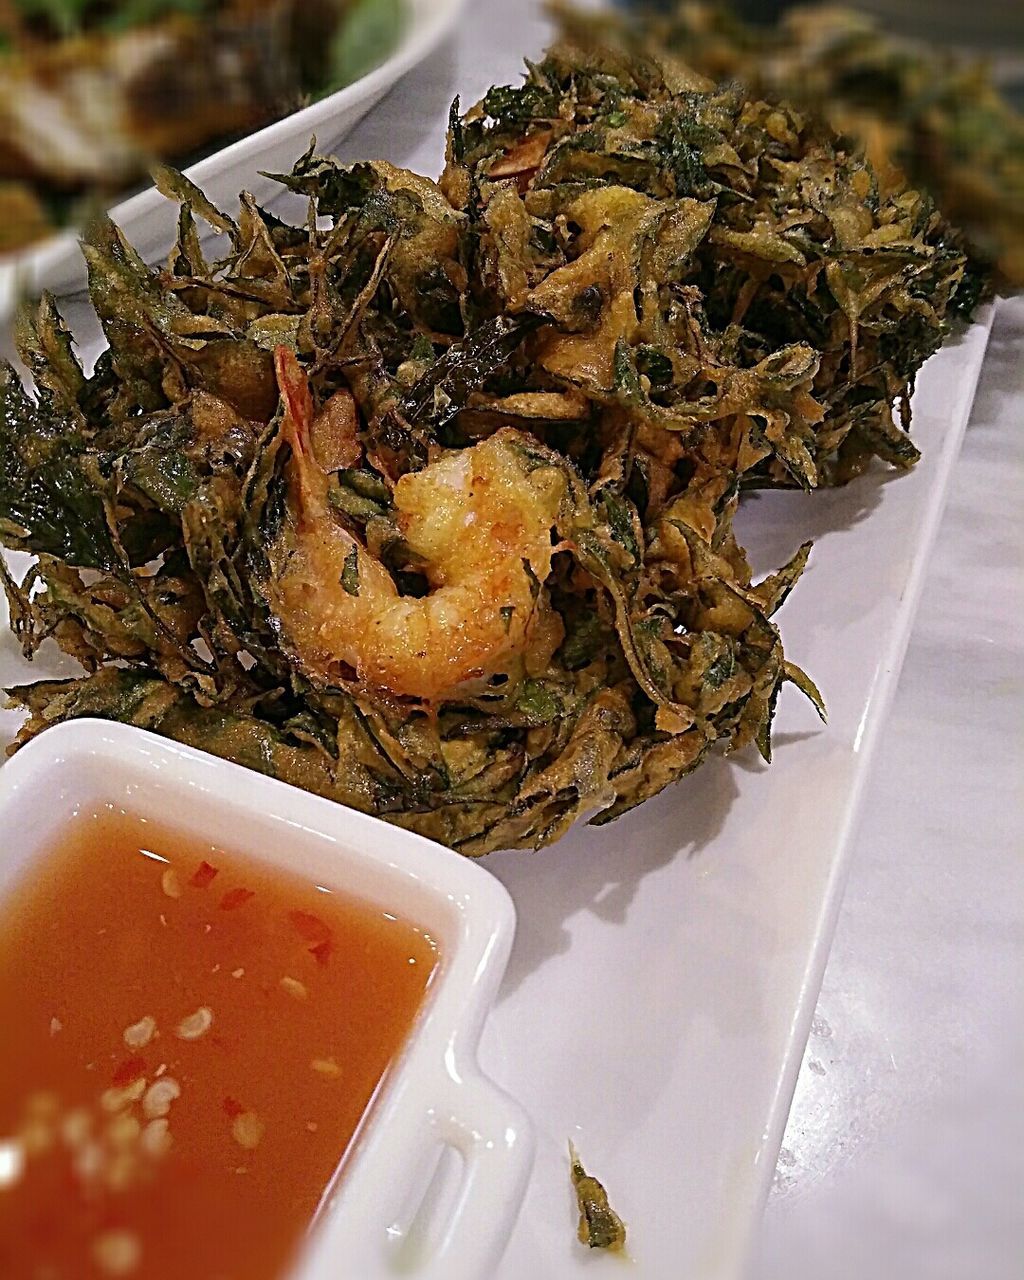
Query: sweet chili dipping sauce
pixel 189 1042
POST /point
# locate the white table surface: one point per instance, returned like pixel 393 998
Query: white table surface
pixel 904 1154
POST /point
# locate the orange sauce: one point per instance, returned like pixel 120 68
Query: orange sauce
pixel 189 1042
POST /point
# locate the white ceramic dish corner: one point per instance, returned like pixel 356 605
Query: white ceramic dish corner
pixel 391 1214
pixel 149 220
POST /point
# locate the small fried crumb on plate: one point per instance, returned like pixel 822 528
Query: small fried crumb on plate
pixel 257 1072
pixel 600 1226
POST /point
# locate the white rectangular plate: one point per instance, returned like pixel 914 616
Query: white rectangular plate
pixel 666 967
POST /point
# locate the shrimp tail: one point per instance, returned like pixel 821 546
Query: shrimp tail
pixel 296 426
pixel 297 399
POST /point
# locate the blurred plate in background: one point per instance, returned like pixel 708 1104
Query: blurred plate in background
pixel 149 220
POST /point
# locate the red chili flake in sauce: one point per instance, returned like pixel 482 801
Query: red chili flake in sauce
pixel 232 1108
pixel 235 898
pixel 204 875
pixel 312 930
pixel 309 927
pixel 130 1069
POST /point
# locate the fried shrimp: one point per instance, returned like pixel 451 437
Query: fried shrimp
pixel 478 521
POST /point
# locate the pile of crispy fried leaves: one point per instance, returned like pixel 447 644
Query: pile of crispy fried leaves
pixel 924 114
pixel 678 293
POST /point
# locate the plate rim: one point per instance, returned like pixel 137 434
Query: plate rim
pixel 891 661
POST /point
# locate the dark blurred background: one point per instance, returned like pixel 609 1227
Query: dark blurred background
pixel 93 91
pixel 993 28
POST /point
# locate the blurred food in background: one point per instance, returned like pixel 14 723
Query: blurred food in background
pixel 917 109
pixel 92 91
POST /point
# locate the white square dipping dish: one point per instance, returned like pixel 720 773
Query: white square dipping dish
pixel 391 1209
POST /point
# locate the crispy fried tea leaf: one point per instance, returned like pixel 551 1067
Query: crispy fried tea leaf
pixel 600 1227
